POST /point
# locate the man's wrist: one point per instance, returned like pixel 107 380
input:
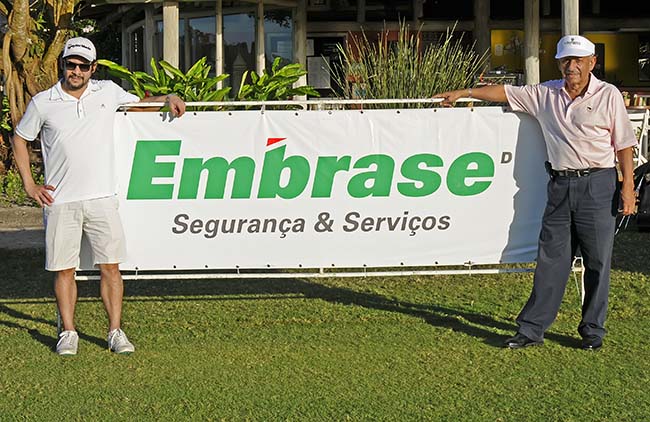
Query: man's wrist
pixel 29 185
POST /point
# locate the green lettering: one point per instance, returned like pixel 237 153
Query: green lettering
pixel 382 177
pixel 326 169
pixel 145 168
pixel 217 168
pixel 469 166
pixel 429 180
pixel 274 165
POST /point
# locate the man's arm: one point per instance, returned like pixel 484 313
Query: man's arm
pixel 492 93
pixel 626 165
pixel 37 192
pixel 176 105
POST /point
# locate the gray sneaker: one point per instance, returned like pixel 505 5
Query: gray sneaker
pixel 67 344
pixel 119 343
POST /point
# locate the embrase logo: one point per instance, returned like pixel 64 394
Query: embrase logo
pixel 291 176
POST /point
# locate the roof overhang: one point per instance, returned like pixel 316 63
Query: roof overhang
pixel 283 3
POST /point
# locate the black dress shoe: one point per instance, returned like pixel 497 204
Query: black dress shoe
pixel 592 343
pixel 520 341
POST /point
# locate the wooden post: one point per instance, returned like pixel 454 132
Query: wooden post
pixel 570 17
pixel 417 13
pixel 259 38
pixel 187 44
pixel 125 41
pixel 170 32
pixel 149 32
pixel 531 43
pixel 300 40
pixel 482 27
pixel 218 68
pixel 361 11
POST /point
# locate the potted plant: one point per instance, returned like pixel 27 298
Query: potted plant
pixel 626 98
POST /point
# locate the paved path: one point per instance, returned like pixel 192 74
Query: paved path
pixel 21 228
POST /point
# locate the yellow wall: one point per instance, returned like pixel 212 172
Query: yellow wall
pixel 507 49
pixel 621 55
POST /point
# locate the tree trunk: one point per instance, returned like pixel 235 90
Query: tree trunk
pixel 26 71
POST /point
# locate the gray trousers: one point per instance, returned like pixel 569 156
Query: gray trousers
pixel 580 212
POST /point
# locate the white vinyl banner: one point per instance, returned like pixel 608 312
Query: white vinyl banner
pixel 324 189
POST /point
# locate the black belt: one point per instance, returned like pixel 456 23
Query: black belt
pixel 577 173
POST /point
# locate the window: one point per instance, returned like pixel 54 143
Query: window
pixel 278 30
pixel 239 48
pixel 197 39
pixel 136 52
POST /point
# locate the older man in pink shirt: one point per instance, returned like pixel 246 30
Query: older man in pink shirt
pixel 586 130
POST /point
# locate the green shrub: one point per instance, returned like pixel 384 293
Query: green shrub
pixel 12 187
pixel 5 118
pixel 193 86
pixel 277 85
pixel 196 86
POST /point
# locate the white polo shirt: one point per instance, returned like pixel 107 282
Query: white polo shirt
pixel 77 138
pixel 581 133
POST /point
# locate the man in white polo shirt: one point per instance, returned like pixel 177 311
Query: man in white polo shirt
pixel 75 121
pixel 586 128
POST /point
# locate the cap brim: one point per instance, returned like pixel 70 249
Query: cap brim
pixel 574 53
pixel 77 54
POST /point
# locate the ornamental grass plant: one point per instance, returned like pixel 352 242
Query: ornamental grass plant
pixel 405 68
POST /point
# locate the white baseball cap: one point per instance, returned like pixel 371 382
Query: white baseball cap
pixel 574 46
pixel 81 47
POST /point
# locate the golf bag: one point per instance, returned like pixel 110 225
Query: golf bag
pixel 642 183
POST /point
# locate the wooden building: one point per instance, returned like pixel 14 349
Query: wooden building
pixel 240 35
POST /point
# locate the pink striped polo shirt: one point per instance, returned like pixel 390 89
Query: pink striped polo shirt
pixel 580 133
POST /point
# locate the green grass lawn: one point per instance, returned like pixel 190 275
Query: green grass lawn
pixel 402 348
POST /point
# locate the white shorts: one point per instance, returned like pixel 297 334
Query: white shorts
pixel 97 219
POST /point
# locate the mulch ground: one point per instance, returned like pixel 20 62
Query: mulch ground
pixel 21 227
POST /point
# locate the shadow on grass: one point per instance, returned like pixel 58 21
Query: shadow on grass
pixel 24 278
pixel 477 325
pixel 47 341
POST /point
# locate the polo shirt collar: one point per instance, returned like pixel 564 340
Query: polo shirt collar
pixel 592 86
pixel 58 94
pixel 594 83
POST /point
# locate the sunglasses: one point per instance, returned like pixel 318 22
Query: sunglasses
pixel 84 67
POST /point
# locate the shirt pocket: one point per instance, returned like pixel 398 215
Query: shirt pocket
pixel 592 121
pixel 602 188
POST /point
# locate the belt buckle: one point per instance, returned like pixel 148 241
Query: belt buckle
pixel 577 172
